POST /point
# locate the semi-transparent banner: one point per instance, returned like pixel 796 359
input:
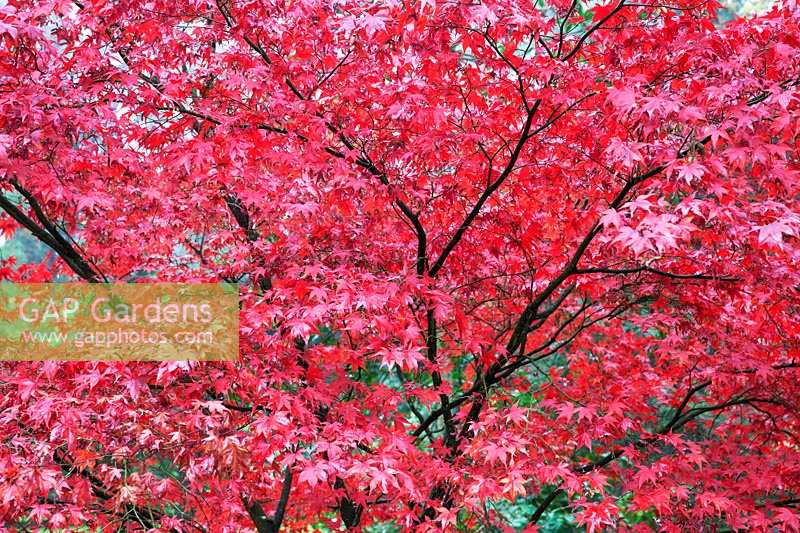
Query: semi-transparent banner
pixel 119 322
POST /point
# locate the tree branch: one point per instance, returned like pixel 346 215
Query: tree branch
pixel 454 240
pixel 673 424
pixel 47 232
pixel 591 30
pixel 603 270
pixel 270 524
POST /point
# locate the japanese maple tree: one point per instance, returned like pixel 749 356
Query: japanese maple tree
pixel 500 261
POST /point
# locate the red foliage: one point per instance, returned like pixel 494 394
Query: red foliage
pixel 488 251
